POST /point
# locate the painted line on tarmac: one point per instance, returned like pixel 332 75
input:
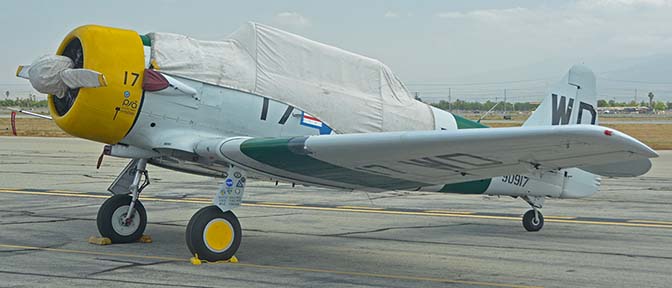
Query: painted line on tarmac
pixel 450 212
pixel 359 207
pixel 375 210
pixel 277 203
pixel 559 217
pixel 651 222
pixel 274 267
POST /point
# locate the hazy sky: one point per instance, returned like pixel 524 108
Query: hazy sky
pixel 430 44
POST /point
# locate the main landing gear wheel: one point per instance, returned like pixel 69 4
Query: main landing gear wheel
pixel 112 222
pixel 213 235
pixel 533 220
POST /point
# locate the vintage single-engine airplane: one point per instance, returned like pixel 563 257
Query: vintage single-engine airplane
pixel 270 104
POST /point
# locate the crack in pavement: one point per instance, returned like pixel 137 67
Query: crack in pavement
pixel 64 207
pixel 30 251
pixel 20 213
pixel 100 176
pixel 270 215
pixel 55 173
pixel 32 214
pixel 37 222
pixel 130 265
pixel 627 201
pixel 168 223
pixel 396 228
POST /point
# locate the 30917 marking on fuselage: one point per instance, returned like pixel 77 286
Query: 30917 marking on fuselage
pixel 516 180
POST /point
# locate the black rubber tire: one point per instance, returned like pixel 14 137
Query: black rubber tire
pixel 104 219
pixel 528 221
pixel 196 227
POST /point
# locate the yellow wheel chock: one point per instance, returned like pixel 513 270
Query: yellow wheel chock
pixel 107 241
pixel 100 240
pixel 195 261
pixel 145 239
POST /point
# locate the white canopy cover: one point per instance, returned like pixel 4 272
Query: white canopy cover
pixel 349 92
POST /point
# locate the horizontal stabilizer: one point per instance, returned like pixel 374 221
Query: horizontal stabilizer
pixel 630 168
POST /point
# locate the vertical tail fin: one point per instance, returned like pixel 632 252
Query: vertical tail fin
pixel 573 100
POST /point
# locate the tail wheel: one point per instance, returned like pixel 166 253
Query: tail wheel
pixel 213 235
pixel 533 221
pixel 112 222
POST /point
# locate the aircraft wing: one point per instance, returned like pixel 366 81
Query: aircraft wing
pixel 408 160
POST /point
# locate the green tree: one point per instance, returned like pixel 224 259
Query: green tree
pixel 659 105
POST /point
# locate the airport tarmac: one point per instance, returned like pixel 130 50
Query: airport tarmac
pixel 299 236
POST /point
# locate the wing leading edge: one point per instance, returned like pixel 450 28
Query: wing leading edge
pixel 409 160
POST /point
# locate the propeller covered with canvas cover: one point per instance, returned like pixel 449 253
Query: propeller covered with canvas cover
pixel 54 74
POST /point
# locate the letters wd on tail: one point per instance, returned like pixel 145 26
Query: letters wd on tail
pixel 573 100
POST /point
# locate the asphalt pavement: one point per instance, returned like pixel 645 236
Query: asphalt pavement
pixel 50 192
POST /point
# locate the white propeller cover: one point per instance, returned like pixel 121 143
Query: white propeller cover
pixel 83 78
pixel 44 74
pixel 53 74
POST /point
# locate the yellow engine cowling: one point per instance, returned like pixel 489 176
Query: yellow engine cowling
pixel 103 114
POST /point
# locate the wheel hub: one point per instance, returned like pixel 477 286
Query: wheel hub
pixel 122 225
pixel 218 235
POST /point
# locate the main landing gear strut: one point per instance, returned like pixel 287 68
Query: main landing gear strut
pixel 122 217
pixel 533 220
pixel 213 233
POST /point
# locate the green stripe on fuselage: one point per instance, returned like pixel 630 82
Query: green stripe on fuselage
pixel 470 187
pixel 276 152
pixel 464 123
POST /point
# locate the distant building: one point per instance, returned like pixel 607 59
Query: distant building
pixel 624 110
